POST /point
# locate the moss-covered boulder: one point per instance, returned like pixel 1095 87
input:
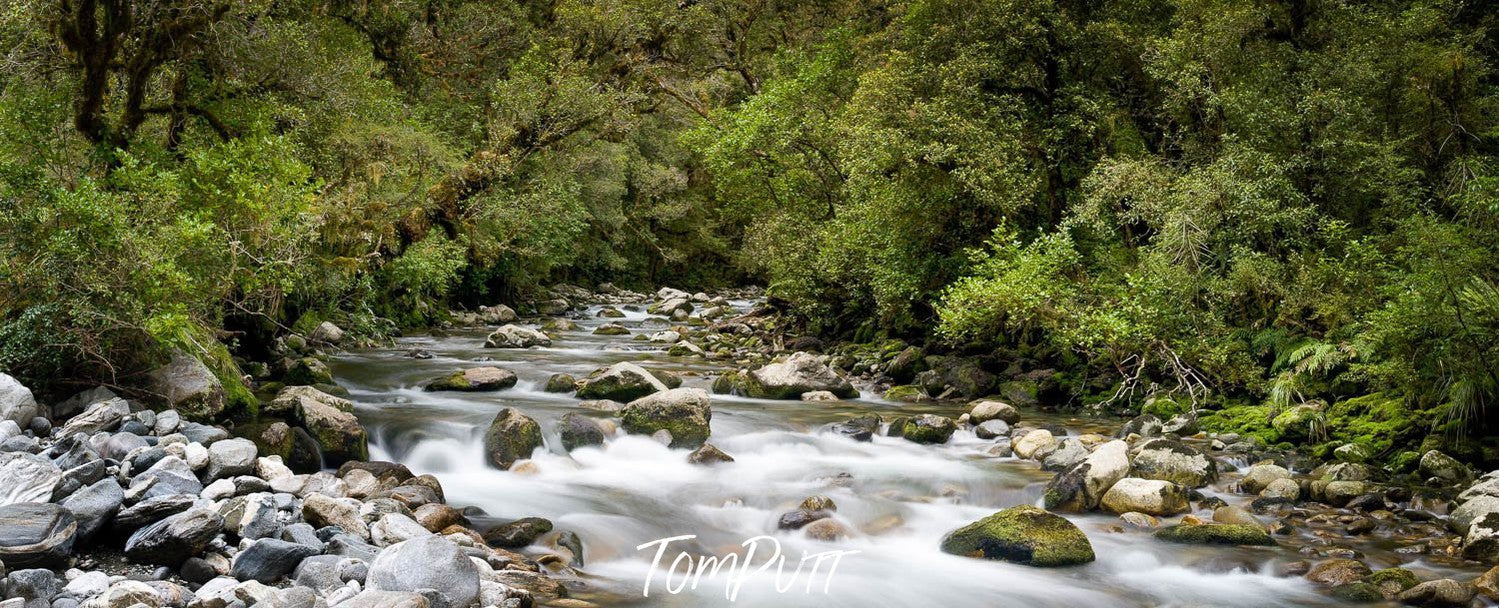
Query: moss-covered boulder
pixel 611 329
pixel 337 432
pixel 904 366
pixel 1301 423
pixel 1176 462
pixel 1022 535
pixel 1215 534
pixel 560 383
pixel 511 436
pixel 963 374
pixel 800 373
pixel 1020 392
pixel 475 379
pixel 906 393
pixel 296 447
pixel 683 412
pixel 620 382
pixel 1392 581
pixel 729 383
pixel 307 371
pixel 929 428
pixel 188 386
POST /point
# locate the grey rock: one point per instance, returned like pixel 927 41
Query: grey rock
pixel 683 412
pixel 171 475
pixel 27 478
pixel 578 430
pixel 189 387
pixel 17 404
pixel 1176 462
pixel 36 534
pixel 31 584
pixel 619 382
pixel 800 373
pixel 429 562
pixel 80 401
pixel 230 457
pixel 172 540
pixel 95 505
pixel 101 416
pixel 516 336
pixel 152 510
pixel 268 559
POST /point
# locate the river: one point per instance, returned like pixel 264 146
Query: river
pixel 899 497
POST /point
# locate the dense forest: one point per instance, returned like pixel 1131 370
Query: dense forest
pixel 1234 206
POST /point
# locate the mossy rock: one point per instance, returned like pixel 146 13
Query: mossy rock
pixel 929 428
pixel 297 449
pixel 1215 534
pixel 683 412
pixel 560 383
pixel 908 393
pixel 1363 593
pixel 477 379
pixel 1022 535
pixel 1391 581
pixel 1243 420
pixel 307 371
pixel 1023 393
pixel 1301 423
pixel 729 383
pixel 1378 421
pixel 511 436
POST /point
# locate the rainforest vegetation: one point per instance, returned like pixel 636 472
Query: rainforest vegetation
pixel 1235 206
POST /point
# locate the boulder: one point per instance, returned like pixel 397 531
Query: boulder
pixel 498 314
pixel 337 432
pixel 17 404
pixel 1069 452
pixel 327 333
pixel 293 444
pixel 170 475
pixel 800 373
pixel 989 409
pixel 34 535
pixel 1082 487
pixel 683 412
pixel 189 387
pixel 1176 462
pixel 577 430
pixel 1259 476
pixel 1466 513
pixel 1149 496
pixel 1338 571
pixel 518 533
pixel 708 454
pixel 102 416
pixel 1023 535
pixel 1443 592
pixel 230 457
pixel 27 478
pixel 1300 423
pixel 516 336
pixel 929 428
pixel 1481 543
pixel 321 510
pixel 1035 444
pixel 964 375
pixel 289 401
pixel 474 379
pixel 991 429
pixel 268 560
pixel 619 382
pixel 172 540
pixel 95 505
pixel 306 371
pixel 1436 465
pixel 511 436
pixel 1215 534
pixel 429 563
pixel 1144 425
pixel 560 383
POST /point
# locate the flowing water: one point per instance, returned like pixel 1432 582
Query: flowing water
pixel 899 497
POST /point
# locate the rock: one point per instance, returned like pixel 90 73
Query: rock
pixel 1338 571
pixel 577 430
pixel 1230 514
pixel 964 375
pixel 101 416
pixel 518 533
pixel 516 336
pixel 1035 444
pixel 1468 512
pixel 1283 488
pixel 1440 592
pixel 1149 496
pixel 498 314
pixel 1024 535
pixel 798 519
pixel 1181 425
pixel 708 454
pixel 474 379
pixel 88 584
pixel 800 373
pixel 95 505
pixel 371 598
pixel 151 510
pixel 905 365
pixel 511 436
pixel 294 445
pixel 307 371
pixel 1144 425
pixel 1352 452
pixel 1069 452
pixel 1481 543
pixel 1440 466
pixel 268 560
pixel 231 457
pixel 827 530
pixel 1174 461
pixel 27 478
pixel 337 431
pixel 130 594
pixel 1300 423
pixel 1259 476
pixel 611 329
pixel 170 475
pixel 990 429
pixel 1082 487
pixel 929 428
pixel 320 510
pixel 1215 534
pixel 395 528
pixel 172 540
pixel 189 387
pixel 427 563
pixel 436 517
pixel 819 397
pixel 619 382
pixel 327 333
pixel 1392 581
pixel 17 404
pixel 560 383
pixel 1488 584
pixel 1359 593
pixel 683 412
pixel 989 409
pixel 35 535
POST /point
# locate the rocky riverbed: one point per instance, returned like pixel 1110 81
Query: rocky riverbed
pixel 511 461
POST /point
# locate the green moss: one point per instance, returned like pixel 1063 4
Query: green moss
pixel 1020 392
pixel 1396 578
pixel 1164 408
pixel 1245 420
pixel 1358 592
pixel 239 401
pixel 1215 534
pixel 906 392
pixel 1379 421
pixel 1023 535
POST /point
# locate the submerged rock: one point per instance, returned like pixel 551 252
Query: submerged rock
pixel 1023 535
pixel 474 379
